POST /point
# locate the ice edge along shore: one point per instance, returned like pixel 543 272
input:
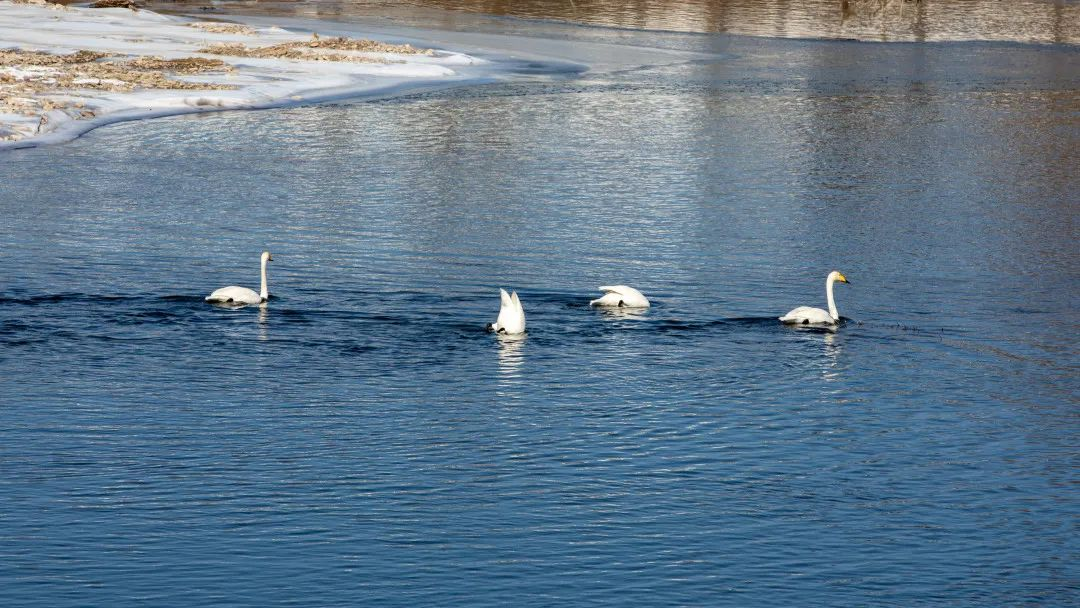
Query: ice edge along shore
pixel 139 64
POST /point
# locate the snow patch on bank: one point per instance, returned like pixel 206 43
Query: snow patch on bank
pixel 38 105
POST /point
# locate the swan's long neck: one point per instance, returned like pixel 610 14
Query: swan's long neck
pixel 828 292
pixel 264 294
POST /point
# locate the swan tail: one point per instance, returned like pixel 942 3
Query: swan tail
pixel 609 299
pixel 520 312
pixel 621 295
pixel 220 295
pixel 807 315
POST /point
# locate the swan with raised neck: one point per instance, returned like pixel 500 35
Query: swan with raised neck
pixel 808 315
pixel 242 295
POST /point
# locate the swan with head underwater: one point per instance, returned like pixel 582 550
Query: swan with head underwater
pixel 243 295
pixel 511 320
pixel 808 315
pixel 621 296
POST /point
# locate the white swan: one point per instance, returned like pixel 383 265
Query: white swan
pixel 511 319
pixel 243 295
pixel 807 315
pixel 621 295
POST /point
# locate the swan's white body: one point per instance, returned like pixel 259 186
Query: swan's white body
pixel 243 295
pixel 808 315
pixel 621 295
pixel 511 319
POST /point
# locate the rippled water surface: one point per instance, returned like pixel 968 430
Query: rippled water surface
pixel 362 441
pixel 1042 21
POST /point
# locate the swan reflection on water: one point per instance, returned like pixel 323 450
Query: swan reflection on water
pixel 263 320
pixel 832 344
pixel 511 354
pixel 831 347
pixel 612 313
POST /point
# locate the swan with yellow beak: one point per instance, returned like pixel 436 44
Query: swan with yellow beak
pixel 808 315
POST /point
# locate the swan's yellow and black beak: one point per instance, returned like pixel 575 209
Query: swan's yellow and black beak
pixel 840 277
pixel 270 258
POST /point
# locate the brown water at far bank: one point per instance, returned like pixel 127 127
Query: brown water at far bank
pixel 1033 21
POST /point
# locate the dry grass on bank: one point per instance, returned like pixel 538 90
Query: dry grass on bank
pixel 317 49
pixel 34 83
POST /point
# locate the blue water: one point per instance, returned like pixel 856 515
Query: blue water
pixel 362 441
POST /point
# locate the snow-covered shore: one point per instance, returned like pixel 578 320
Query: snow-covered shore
pixel 136 64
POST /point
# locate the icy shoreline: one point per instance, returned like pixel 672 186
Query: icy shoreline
pixel 242 67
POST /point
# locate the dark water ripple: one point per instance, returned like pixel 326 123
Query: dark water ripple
pixel 363 440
